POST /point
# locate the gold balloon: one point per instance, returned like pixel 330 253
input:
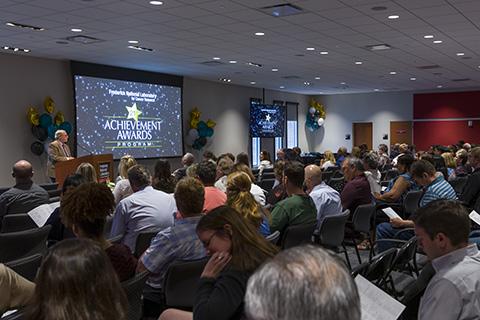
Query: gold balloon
pixel 59 118
pixel 49 105
pixel 211 123
pixel 195 114
pixel 194 123
pixel 33 116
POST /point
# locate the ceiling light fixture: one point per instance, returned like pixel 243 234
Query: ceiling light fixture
pixel 393 72
pixel 252 82
pixel 216 58
pixel 306 83
pixel 324 52
pixel 376 89
pixel 225 80
pixel 437 41
pixel 282 87
pixel 317 78
pixel 310 49
pixel 358 62
pixel 24 26
pixel 76 30
pixel 156 3
pixel 259 34
pixel 439 86
pixel 413 78
pixel 343 83
pixel 253 64
pixel 460 54
pixel 15 49
pixel 133 41
pixel 428 36
pixel 140 48
pixel 393 17
pixel 274 70
pixel 232 61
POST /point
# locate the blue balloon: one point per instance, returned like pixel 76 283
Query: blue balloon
pixel 66 126
pixel 202 125
pixel 45 120
pixel 51 131
pixel 209 132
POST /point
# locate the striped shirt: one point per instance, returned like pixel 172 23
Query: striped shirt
pixel 438 189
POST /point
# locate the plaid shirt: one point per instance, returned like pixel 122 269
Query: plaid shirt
pixel 179 242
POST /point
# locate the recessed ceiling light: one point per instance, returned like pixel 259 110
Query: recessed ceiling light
pixel 252 82
pixel 460 54
pixel 428 36
pixel 132 41
pixel 310 49
pixel 274 69
pixel 76 30
pixel 24 26
pixel 282 87
pixel 394 16
pixel 232 61
pixel 413 78
pixel 437 41
pixel 307 83
pixel 343 83
pixel 253 64
pixel 317 78
pixel 324 52
pixel 140 48
pixel 259 33
pixel 478 66
pixel 376 89
pixel 358 62
pixel 15 49
pixel 393 72
pixel 216 58
pixel 156 3
pixel 439 86
pixel 225 79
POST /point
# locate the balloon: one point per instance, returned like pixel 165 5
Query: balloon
pixel 202 125
pixel 45 120
pixel 202 141
pixel 211 123
pixel 194 123
pixel 312 110
pixel 51 131
pixel 209 132
pixel 195 113
pixel 59 118
pixel 40 133
pixel 193 133
pixel 36 148
pixel 49 105
pixel 320 122
pixel 67 126
pixel 189 140
pixel 33 117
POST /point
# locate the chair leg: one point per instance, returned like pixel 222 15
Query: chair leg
pixel 356 250
pixel 346 257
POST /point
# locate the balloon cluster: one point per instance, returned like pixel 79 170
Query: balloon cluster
pixel 45 125
pixel 315 116
pixel 199 130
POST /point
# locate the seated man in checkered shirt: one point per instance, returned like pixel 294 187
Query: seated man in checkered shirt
pixel 179 242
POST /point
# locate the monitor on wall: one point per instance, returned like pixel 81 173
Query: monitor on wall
pixel 266 121
pixel 122 111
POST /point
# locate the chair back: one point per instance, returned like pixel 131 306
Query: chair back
pixel 337 173
pixel 332 230
pixel 181 281
pixel 458 184
pixel 17 222
pixel 26 267
pixel 133 290
pixel 273 238
pixel 267 184
pixel 143 242
pixel 297 235
pixel 337 183
pixel 380 266
pixel 391 174
pixel 16 245
pixel 17 315
pixel 362 217
pixel 411 201
pixel 327 175
pixel 49 186
pixel 405 254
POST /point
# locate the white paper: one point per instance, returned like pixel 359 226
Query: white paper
pixel 475 217
pixel 41 213
pixel 376 304
pixel 390 213
pixel 384 188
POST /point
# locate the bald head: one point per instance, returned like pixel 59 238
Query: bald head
pixel 313 176
pixel 188 159
pixel 22 170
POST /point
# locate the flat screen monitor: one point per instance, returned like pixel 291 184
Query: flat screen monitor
pixel 266 121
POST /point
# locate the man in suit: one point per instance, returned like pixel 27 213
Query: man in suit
pixel 58 150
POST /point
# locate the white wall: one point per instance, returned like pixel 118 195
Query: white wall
pixel 343 110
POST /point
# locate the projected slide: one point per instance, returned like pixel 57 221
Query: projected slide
pixel 266 120
pixel 123 117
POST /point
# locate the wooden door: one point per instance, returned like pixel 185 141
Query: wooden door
pixel 363 134
pixel 401 132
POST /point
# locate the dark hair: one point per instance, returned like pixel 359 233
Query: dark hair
pixel 420 167
pixel 266 155
pixel 278 167
pixel 209 155
pixel 87 207
pixel 189 196
pixel 162 178
pixel 207 172
pixel 249 247
pixel 72 181
pixel 295 173
pixel 138 176
pixel 444 216
pixel 226 155
pixel 77 281
pixel 240 167
pixel 406 160
pixel 242 158
pixel 290 155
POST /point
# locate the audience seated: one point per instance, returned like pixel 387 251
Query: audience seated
pixel 302 283
pixel 85 211
pixel 237 250
pixel 384 159
pixel 265 162
pixel 341 155
pixel 162 178
pixel 462 168
pixel 58 232
pixel 240 198
pixel 208 155
pixel 224 168
pixel 76 281
pixel 298 208
pixel 326 199
pixel 357 189
pixel 242 158
pixel 257 192
pixel 146 209
pixel 471 191
pixel 187 160
pixel 435 187
pixel 450 164
pixel 400 151
pixel 214 197
pixel 179 242
pixel 25 194
pixel 328 160
pixel 122 185
pixel 442 228
pixel 15 290
pixel 281 154
pixel 370 163
pixel 87 171
pixel 278 192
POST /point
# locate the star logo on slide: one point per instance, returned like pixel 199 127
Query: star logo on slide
pixel 267 117
pixel 133 112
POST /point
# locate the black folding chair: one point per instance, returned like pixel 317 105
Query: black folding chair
pixel 16 245
pixel 26 267
pixel 458 184
pixel 143 242
pixel 17 222
pixel 337 183
pixel 133 290
pixel 361 222
pixel 297 235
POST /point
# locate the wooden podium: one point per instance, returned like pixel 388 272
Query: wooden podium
pixel 103 164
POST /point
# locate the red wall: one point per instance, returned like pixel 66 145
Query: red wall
pixel 441 106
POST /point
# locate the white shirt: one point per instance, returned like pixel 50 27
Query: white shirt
pixel 122 190
pixel 258 194
pixel 327 201
pixel 373 178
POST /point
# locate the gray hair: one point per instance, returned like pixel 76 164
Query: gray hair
pixel 58 133
pixel 372 160
pixel 138 176
pixel 356 163
pixel 188 159
pixel 305 282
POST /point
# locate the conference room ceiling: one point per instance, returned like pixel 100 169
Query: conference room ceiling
pixel 186 36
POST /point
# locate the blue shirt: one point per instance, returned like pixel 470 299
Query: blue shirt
pixel 179 242
pixel 438 189
pixel 144 210
pixel 327 201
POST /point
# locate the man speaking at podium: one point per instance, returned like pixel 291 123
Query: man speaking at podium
pixel 58 150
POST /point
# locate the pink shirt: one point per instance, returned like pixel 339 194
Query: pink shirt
pixel 213 198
